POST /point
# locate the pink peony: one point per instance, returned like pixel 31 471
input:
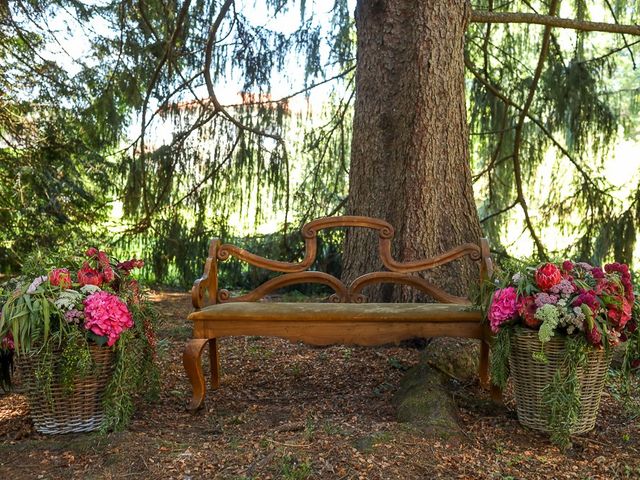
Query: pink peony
pixel 503 307
pixel 547 276
pixel 107 316
pixel 89 276
pixel 60 277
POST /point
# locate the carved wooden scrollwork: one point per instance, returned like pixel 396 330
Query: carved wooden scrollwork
pixel 470 249
pixel 310 230
pixel 297 272
pixel 270 286
pixel 400 278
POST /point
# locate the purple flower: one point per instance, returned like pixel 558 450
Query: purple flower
pixel 544 299
pixel 585 266
pixel 73 316
pixel 565 287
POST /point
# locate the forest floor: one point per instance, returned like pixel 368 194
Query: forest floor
pixel 290 411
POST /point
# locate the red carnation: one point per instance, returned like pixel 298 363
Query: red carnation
pixel 567 265
pixel 129 265
pixel 620 316
pixel 527 310
pixel 588 298
pixel 92 252
pixel 547 276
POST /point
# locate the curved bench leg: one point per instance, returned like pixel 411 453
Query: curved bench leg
pixel 214 361
pixel 193 367
pixel 496 393
pixel 484 364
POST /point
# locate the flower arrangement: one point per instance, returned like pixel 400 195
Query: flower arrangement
pixel 591 308
pixel 88 300
pixel 571 298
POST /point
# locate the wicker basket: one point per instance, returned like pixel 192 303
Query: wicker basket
pixel 530 377
pixel 77 411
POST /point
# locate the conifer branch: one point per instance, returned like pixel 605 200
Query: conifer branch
pixel 210 175
pixel 483 16
pixel 154 79
pixel 536 121
pixel 500 212
pixel 218 107
pixel 624 39
pixel 517 170
pixel 296 93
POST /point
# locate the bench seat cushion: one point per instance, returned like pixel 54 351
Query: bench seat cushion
pixel 363 312
pixel 331 323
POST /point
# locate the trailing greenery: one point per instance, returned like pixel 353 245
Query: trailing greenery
pixel 75 360
pixel 135 373
pixel 499 363
pixel 562 396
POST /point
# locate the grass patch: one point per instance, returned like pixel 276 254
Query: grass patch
pixel 290 468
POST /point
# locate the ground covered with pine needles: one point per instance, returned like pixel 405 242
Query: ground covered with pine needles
pixel 290 411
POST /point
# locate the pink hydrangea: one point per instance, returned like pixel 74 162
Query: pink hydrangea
pixel 503 308
pixel 106 316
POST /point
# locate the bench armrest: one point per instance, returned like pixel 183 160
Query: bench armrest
pixel 208 283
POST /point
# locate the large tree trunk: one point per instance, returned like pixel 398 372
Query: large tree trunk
pixel 410 159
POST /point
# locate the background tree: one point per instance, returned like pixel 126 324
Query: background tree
pixel 532 90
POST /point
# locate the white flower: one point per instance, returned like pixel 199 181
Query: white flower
pixel 89 289
pixel 36 283
pixel 68 299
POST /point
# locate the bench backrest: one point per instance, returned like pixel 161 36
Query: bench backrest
pixel 298 273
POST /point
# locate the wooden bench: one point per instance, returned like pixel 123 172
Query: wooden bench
pixel 346 319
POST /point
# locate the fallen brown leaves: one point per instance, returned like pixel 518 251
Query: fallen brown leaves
pixel 290 411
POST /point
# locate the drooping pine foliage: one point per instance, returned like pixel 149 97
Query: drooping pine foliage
pixel 576 115
pixel 143 120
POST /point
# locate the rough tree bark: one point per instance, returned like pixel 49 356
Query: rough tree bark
pixel 410 159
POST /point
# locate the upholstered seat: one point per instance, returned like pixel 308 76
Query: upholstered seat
pixel 367 312
pixel 338 323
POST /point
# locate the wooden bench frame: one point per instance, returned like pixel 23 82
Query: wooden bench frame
pixel 325 325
